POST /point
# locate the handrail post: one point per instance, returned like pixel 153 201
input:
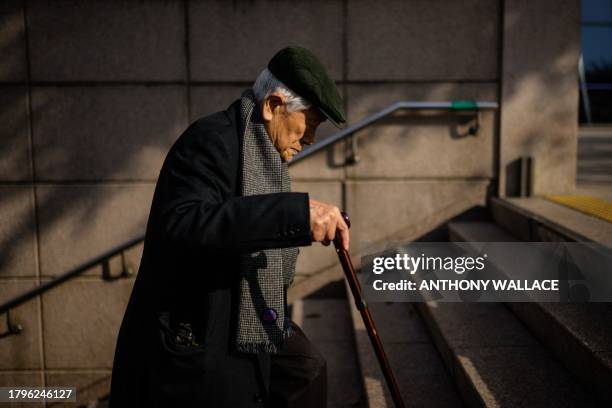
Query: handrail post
pixel 106 275
pixel 11 328
pixel 127 269
pixel 353 156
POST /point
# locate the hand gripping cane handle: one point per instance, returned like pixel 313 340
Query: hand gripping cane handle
pixel 360 303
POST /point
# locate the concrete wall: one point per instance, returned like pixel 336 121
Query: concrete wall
pixel 539 95
pixel 93 93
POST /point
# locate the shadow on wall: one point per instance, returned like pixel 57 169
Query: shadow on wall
pixel 12 40
pixel 97 149
pixel 539 93
pixel 16 203
pixel 96 153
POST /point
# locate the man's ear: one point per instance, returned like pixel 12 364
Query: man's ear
pixel 272 105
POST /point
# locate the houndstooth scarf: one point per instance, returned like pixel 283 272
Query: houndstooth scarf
pixel 264 275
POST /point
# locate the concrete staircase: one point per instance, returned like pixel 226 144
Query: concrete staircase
pixel 595 155
pixel 491 354
pixel 416 362
pixel 471 355
pixel 580 335
pixel 324 317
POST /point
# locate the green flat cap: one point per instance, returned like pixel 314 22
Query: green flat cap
pixel 304 74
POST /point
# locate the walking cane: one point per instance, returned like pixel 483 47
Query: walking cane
pixel 360 302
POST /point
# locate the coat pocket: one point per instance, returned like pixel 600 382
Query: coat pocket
pixel 179 338
pixel 177 371
pixel 180 352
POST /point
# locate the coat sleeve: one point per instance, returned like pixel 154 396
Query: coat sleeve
pixel 200 210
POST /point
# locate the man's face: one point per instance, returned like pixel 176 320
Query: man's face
pixel 289 131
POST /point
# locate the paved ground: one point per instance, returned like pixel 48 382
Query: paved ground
pixel 603 191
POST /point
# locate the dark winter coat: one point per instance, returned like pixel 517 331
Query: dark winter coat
pixel 189 273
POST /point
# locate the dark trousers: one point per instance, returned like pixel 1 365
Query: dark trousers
pixel 298 374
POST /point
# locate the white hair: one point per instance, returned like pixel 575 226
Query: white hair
pixel 266 83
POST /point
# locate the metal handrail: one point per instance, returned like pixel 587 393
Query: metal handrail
pixel 465 105
pixel 38 290
pixel 462 105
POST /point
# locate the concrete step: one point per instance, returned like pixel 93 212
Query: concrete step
pixel 416 364
pixel 602 179
pixel 306 284
pixel 495 361
pixel 595 156
pixel 326 321
pixel 594 168
pixel 578 334
pixel 478 231
pixel 536 219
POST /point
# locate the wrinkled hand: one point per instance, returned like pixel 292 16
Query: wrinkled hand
pixel 325 221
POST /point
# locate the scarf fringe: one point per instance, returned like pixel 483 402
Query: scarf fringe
pixel 265 347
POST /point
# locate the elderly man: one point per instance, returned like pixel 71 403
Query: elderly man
pixel 207 322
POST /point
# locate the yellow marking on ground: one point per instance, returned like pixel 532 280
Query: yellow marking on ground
pixel 595 207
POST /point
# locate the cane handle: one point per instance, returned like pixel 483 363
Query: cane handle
pixel 346 218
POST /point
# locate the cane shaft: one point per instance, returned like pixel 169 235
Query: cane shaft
pixel 362 306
